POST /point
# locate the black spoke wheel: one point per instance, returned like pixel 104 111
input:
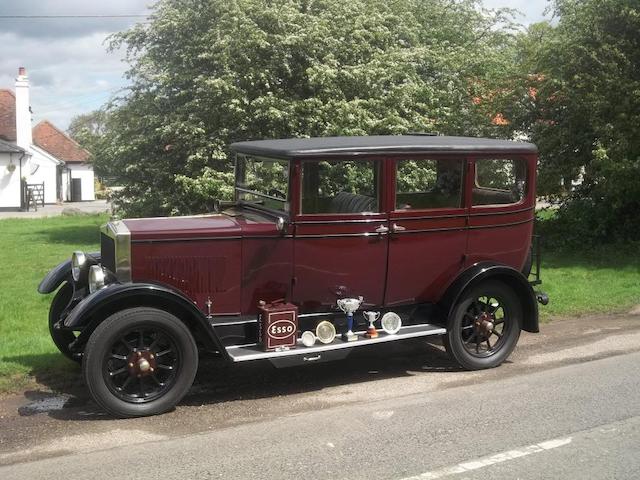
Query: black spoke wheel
pixel 62 338
pixel 140 361
pixel 485 326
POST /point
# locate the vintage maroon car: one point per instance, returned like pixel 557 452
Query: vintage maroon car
pixel 431 236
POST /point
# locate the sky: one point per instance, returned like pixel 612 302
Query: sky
pixel 69 68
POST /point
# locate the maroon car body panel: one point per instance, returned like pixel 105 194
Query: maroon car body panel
pixel 238 258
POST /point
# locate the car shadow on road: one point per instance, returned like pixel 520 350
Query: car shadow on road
pixel 256 380
pixel 64 396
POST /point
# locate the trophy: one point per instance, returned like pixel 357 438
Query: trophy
pixel 348 306
pixel 371 317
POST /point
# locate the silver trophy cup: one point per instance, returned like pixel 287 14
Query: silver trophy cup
pixel 348 306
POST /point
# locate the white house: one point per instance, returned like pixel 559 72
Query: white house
pixel 42 159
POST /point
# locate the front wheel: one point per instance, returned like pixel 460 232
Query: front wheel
pixel 485 326
pixel 139 362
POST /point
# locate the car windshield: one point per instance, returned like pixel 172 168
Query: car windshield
pixel 262 182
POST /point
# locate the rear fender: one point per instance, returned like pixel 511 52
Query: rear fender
pixel 95 308
pixel 487 270
pixel 59 274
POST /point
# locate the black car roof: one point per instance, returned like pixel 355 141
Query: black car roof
pixel 388 144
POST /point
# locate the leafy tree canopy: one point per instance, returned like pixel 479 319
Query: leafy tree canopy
pixel 205 73
pixel 585 114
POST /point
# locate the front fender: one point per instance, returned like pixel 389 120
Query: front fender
pixel 485 270
pixel 95 308
pixel 59 274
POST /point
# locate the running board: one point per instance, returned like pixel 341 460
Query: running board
pixel 244 353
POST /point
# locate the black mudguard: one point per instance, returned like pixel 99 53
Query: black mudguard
pixel 95 308
pixel 488 270
pixel 59 274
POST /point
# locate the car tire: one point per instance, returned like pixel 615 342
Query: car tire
pixel 140 362
pixel 62 338
pixel 485 326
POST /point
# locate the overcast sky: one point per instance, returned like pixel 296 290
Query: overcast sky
pixel 66 59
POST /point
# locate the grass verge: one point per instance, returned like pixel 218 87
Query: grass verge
pixel 29 248
pixel 603 280
pixel 606 279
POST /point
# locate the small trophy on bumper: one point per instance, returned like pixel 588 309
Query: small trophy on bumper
pixel 348 306
pixel 371 318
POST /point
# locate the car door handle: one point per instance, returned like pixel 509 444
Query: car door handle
pixel 398 228
pixel 382 229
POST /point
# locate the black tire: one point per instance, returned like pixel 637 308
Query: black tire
pixel 485 326
pixel 116 379
pixel 62 338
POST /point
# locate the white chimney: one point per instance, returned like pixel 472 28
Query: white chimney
pixel 23 110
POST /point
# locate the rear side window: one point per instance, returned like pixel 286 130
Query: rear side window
pixel 426 184
pixel 500 181
pixel 340 186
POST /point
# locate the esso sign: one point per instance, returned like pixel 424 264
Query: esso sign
pixel 282 329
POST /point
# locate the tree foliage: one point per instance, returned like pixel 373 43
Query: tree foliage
pixel 585 114
pixel 205 73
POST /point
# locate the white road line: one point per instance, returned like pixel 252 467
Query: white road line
pixel 492 460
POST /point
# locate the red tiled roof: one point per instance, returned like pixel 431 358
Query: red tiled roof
pixel 7 115
pixel 58 143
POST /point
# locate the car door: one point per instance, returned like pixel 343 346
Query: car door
pixel 340 247
pixel 428 221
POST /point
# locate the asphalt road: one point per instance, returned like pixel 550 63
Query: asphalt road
pixel 566 406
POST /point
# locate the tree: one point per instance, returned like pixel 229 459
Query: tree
pixel 586 114
pixel 205 73
pixel 88 128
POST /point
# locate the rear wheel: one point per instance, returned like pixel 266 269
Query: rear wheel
pixel 61 338
pixel 140 362
pixel 485 326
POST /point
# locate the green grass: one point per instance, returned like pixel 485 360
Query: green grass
pixel 29 248
pixel 602 280
pixel 577 283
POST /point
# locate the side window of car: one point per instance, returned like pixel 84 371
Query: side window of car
pixel 499 181
pixel 427 183
pixel 340 186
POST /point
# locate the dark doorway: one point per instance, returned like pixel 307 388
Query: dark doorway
pixel 59 173
pixel 76 190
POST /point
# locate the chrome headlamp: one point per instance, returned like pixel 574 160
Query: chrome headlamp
pixel 96 278
pixel 78 265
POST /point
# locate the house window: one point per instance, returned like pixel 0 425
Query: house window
pixel 499 181
pixel 427 184
pixel 340 186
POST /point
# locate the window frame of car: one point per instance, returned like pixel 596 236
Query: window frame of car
pixel 287 203
pixel 302 216
pixel 473 178
pixel 448 157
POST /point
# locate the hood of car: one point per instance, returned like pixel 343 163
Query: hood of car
pixel 192 228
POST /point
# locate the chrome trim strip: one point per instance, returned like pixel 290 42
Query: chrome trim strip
pixel 425 217
pixel 186 239
pixel 320 314
pixel 237 322
pixel 484 214
pixel 358 220
pixel 428 230
pixel 334 235
pixel 477 227
pixel 122 244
